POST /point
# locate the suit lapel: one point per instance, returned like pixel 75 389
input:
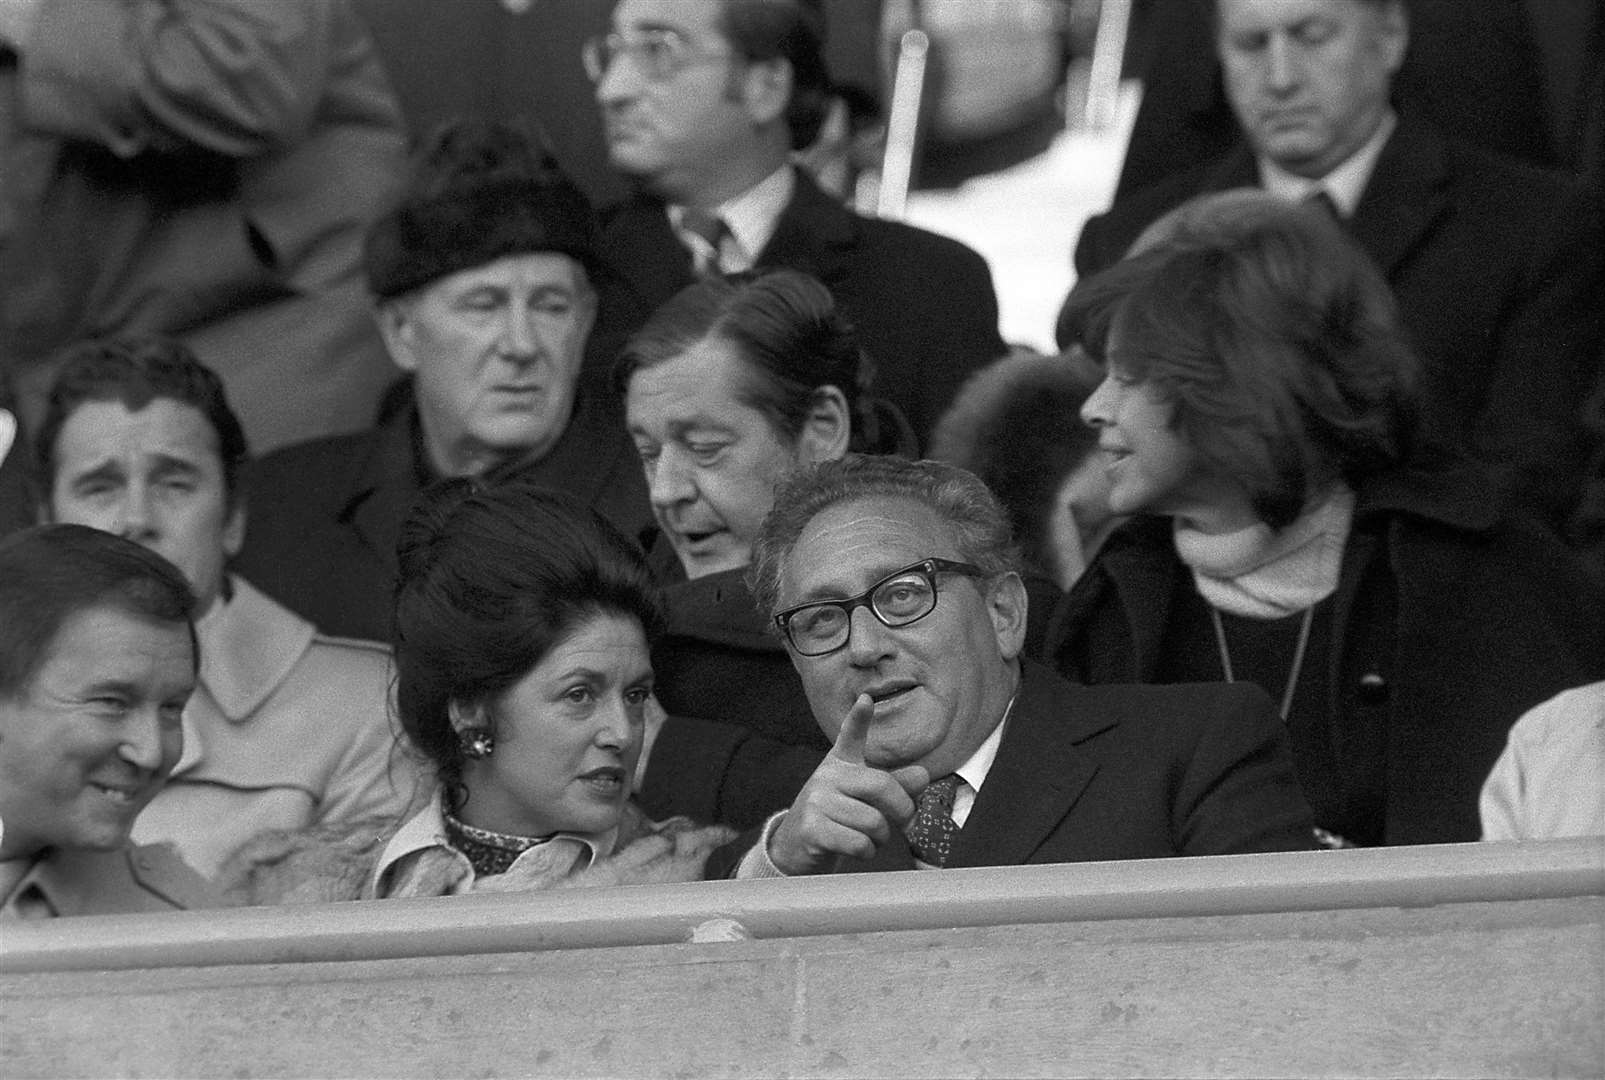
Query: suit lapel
pixel 1405 196
pixel 815 234
pixel 1037 777
pixel 640 247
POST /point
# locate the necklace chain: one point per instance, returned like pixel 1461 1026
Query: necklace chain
pixel 1298 655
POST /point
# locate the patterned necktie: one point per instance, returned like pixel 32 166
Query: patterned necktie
pixel 931 833
pixel 711 230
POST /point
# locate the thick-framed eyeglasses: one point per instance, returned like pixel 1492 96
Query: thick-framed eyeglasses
pixel 658 54
pixel 898 599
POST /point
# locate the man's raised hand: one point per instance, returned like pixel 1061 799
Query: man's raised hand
pixel 847 808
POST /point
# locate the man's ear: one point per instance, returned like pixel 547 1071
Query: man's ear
pixel 1006 604
pixel 1394 40
pixel 234 528
pixel 827 429
pixel 467 716
pixel 394 318
pixel 766 90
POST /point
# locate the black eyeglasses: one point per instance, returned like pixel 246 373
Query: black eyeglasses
pixel 657 54
pixel 898 599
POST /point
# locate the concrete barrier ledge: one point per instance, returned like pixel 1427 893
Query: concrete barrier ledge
pixel 840 904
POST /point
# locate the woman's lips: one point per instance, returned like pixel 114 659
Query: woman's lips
pixel 608 780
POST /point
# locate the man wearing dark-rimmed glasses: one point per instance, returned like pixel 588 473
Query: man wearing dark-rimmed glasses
pixel 894 584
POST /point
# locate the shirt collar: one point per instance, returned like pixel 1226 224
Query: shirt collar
pixel 751 218
pixel 1345 184
pixel 427 829
pixel 973 772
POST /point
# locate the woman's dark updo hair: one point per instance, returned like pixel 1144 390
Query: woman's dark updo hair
pixel 493 576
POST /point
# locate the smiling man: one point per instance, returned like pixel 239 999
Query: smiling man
pixel 1497 265
pixel 486 282
pixel 895 587
pixel 97 660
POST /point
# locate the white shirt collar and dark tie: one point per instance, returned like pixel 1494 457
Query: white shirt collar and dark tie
pixel 727 239
pixel 1343 186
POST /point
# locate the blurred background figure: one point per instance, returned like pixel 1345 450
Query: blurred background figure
pixel 97 658
pixel 488 289
pixel 287 727
pixel 523 676
pixel 703 103
pixel 204 169
pixel 1293 527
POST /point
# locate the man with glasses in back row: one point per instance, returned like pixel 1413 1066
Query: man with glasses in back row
pixel 895 586
pixel 703 102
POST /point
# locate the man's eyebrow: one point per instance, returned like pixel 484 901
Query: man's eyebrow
pixel 825 592
pixel 646 27
pixel 110 469
pixel 700 422
pixel 168 465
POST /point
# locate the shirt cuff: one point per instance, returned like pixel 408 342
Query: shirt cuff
pixel 756 863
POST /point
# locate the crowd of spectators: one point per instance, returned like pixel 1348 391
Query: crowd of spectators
pixel 716 532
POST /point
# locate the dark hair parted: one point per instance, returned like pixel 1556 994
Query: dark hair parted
pixel 790 30
pixel 493 575
pixel 784 324
pixel 50 573
pixel 980 524
pixel 135 371
pixel 1273 336
pixel 478 192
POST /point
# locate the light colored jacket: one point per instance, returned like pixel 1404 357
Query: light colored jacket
pixel 130 879
pixel 287 729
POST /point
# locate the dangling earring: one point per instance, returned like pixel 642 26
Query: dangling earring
pixel 477 742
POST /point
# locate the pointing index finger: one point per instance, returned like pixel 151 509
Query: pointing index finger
pixel 854 731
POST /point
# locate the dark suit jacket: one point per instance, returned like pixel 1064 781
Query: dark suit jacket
pixel 1498 267
pixel 923 304
pixel 1471 67
pixel 323 516
pixel 1092 773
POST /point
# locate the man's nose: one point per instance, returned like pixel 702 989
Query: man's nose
pixel 670 482
pixel 1282 65
pixel 620 80
pixel 519 342
pixel 135 520
pixel 148 743
pixel 870 639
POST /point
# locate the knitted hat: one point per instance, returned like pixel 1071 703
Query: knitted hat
pixel 477 192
